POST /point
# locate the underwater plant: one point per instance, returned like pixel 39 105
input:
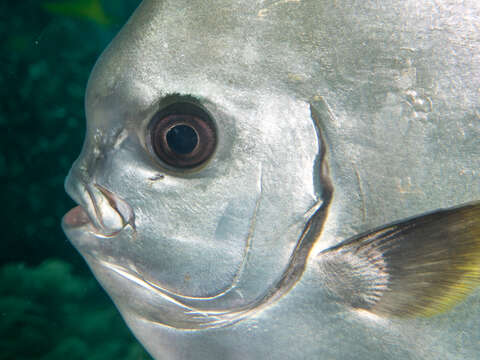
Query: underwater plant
pixel 50 313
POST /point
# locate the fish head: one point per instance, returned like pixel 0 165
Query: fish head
pixel 210 224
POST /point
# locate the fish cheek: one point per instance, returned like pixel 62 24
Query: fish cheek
pixel 200 266
pixel 195 243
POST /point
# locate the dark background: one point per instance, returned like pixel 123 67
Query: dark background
pixel 50 305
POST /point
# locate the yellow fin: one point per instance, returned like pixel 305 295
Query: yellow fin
pixel 417 267
pixel 84 9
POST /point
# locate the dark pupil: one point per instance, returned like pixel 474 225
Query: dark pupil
pixel 182 139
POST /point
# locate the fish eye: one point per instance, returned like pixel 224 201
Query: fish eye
pixel 183 135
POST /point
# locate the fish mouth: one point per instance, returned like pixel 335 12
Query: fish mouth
pixel 99 211
pixel 76 217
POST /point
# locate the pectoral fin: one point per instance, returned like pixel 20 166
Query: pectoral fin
pixel 418 267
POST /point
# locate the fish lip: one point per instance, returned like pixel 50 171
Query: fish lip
pixel 78 219
pixel 96 206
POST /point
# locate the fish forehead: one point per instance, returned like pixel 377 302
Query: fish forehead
pixel 297 43
pixel 400 83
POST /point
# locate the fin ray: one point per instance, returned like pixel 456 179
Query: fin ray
pixel 417 267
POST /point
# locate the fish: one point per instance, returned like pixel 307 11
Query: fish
pixel 293 179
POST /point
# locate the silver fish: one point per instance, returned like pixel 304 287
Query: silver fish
pixel 235 150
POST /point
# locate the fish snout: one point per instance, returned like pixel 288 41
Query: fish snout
pixel 98 206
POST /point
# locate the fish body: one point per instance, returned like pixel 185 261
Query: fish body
pixel 239 154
